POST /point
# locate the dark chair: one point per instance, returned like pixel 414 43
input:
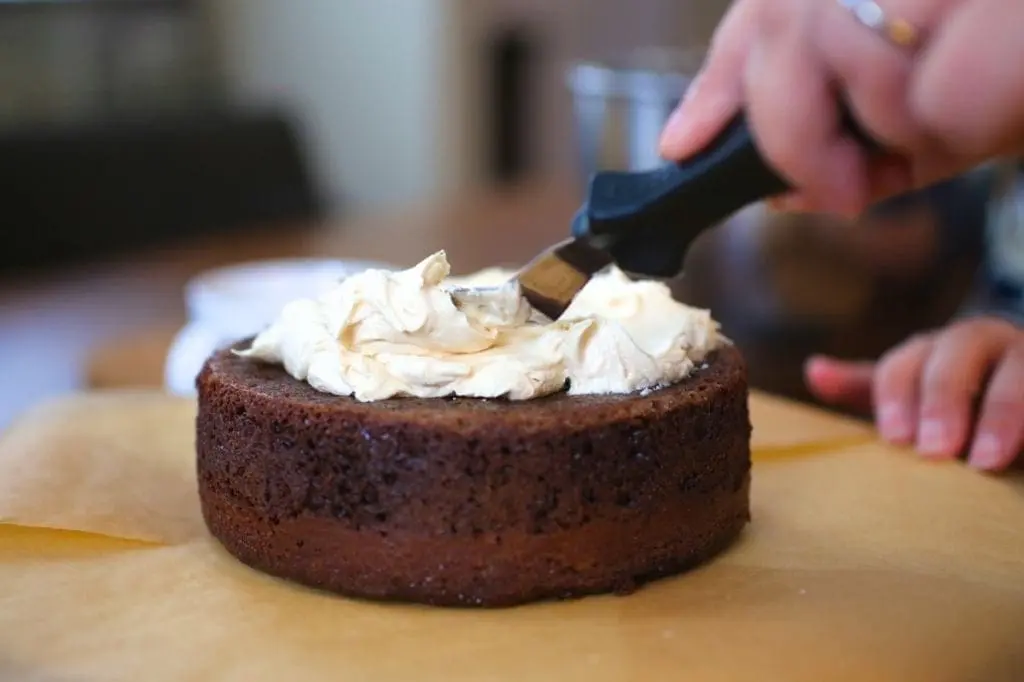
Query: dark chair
pixel 92 190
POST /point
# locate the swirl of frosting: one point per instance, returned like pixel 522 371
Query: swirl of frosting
pixel 382 334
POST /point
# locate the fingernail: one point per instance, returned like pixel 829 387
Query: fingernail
pixel 789 203
pixel 986 452
pixel 675 128
pixel 692 88
pixel 931 439
pixel 678 119
pixel 894 424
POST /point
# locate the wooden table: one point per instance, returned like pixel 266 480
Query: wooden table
pixel 781 290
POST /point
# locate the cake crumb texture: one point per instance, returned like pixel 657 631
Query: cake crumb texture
pixel 467 501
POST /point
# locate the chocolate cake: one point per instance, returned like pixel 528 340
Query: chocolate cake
pixel 470 501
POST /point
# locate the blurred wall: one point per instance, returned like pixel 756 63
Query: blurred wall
pixel 370 82
pixel 81 61
pixel 611 26
pixel 390 92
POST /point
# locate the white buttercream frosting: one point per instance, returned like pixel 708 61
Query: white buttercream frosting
pixel 380 334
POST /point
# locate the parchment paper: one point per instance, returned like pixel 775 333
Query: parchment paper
pixel 862 563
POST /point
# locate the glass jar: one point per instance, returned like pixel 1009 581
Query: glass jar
pixel 621 105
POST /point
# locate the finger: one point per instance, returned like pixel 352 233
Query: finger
pixel 840 382
pixel 972 99
pixel 933 166
pixel 783 203
pixel 953 377
pixel 999 436
pixel 795 202
pixel 792 202
pixel 896 389
pixel 715 94
pixel 872 75
pixel 889 175
pixel 791 108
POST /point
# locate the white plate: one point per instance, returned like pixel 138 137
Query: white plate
pixel 234 302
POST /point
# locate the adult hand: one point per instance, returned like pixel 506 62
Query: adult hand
pixel 928 390
pixel 941 107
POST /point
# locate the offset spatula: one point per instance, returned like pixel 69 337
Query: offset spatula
pixel 646 222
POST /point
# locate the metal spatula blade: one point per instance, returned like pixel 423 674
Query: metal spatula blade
pixel 551 280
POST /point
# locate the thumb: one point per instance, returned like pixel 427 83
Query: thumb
pixel 841 382
pixel 716 93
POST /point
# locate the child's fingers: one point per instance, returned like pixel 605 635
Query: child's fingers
pixel 896 389
pixel 952 378
pixel 999 436
pixel 840 382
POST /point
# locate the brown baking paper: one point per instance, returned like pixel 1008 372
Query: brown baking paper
pixel 862 563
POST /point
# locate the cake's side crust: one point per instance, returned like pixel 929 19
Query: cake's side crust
pixel 495 571
pixel 472 502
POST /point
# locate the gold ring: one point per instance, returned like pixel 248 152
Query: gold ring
pixel 899 32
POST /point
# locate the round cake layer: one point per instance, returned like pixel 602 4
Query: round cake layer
pixel 470 501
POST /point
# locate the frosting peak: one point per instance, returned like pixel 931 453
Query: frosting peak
pixel 382 334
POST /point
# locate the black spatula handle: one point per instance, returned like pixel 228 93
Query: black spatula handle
pixel 648 220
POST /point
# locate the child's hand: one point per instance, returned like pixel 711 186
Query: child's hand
pixel 927 390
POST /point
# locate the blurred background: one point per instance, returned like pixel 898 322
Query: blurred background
pixel 143 142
